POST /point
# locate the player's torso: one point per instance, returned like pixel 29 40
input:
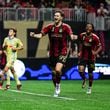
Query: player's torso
pixel 10 44
pixel 88 46
pixel 58 40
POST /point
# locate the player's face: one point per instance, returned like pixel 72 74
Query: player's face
pixel 57 17
pixel 11 32
pixel 89 28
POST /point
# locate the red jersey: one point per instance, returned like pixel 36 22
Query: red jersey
pixel 2 60
pixel 89 43
pixel 58 37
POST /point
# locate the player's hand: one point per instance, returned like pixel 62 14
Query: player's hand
pixel 79 54
pixel 5 47
pixel 32 34
pixel 14 49
pixel 94 53
pixel 74 37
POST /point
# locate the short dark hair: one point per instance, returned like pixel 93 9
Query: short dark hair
pixel 91 25
pixel 14 29
pixel 61 12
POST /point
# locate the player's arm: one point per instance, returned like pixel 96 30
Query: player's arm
pixel 32 34
pixel 99 48
pixel 43 32
pixel 19 46
pixel 73 37
pixel 79 50
pixel 80 45
pixel 98 45
pixel 4 46
pixel 70 33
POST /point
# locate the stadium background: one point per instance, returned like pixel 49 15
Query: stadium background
pixel 37 90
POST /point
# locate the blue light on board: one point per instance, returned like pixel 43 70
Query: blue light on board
pixel 44 72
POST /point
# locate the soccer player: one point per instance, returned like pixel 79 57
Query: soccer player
pixel 58 33
pixel 11 46
pixel 89 47
pixel 2 65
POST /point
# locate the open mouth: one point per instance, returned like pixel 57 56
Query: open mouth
pixel 56 19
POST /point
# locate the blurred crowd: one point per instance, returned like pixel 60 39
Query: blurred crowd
pixel 100 6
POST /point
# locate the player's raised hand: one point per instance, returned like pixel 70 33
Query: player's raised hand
pixel 32 34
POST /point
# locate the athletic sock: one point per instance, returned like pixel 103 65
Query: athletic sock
pixel 54 80
pixel 58 77
pixel 90 79
pixel 8 78
pixel 17 79
pixel 82 75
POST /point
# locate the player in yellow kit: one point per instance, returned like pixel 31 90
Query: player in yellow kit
pixel 11 45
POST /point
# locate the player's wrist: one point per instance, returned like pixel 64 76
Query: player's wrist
pixel 33 35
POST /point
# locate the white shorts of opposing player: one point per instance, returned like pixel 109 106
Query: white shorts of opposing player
pixel 57 90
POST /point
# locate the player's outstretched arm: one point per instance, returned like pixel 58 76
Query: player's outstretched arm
pixel 32 34
pixel 73 37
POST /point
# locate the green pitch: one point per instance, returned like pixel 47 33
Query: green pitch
pixel 38 95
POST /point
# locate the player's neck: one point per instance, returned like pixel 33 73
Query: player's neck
pixel 58 24
pixel 89 33
pixel 11 37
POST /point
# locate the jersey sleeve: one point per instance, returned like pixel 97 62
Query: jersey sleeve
pixel 46 29
pixel 19 43
pixel 69 30
pixel 97 41
pixel 4 42
pixel 80 38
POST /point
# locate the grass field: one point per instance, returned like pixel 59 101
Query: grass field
pixel 38 95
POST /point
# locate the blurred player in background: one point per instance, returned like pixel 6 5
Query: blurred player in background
pixel 2 65
pixel 58 33
pixel 89 47
pixel 11 46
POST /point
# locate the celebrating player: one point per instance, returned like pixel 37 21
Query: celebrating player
pixel 11 46
pixel 58 33
pixel 89 47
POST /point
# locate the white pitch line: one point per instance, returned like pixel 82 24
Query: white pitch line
pixel 42 95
